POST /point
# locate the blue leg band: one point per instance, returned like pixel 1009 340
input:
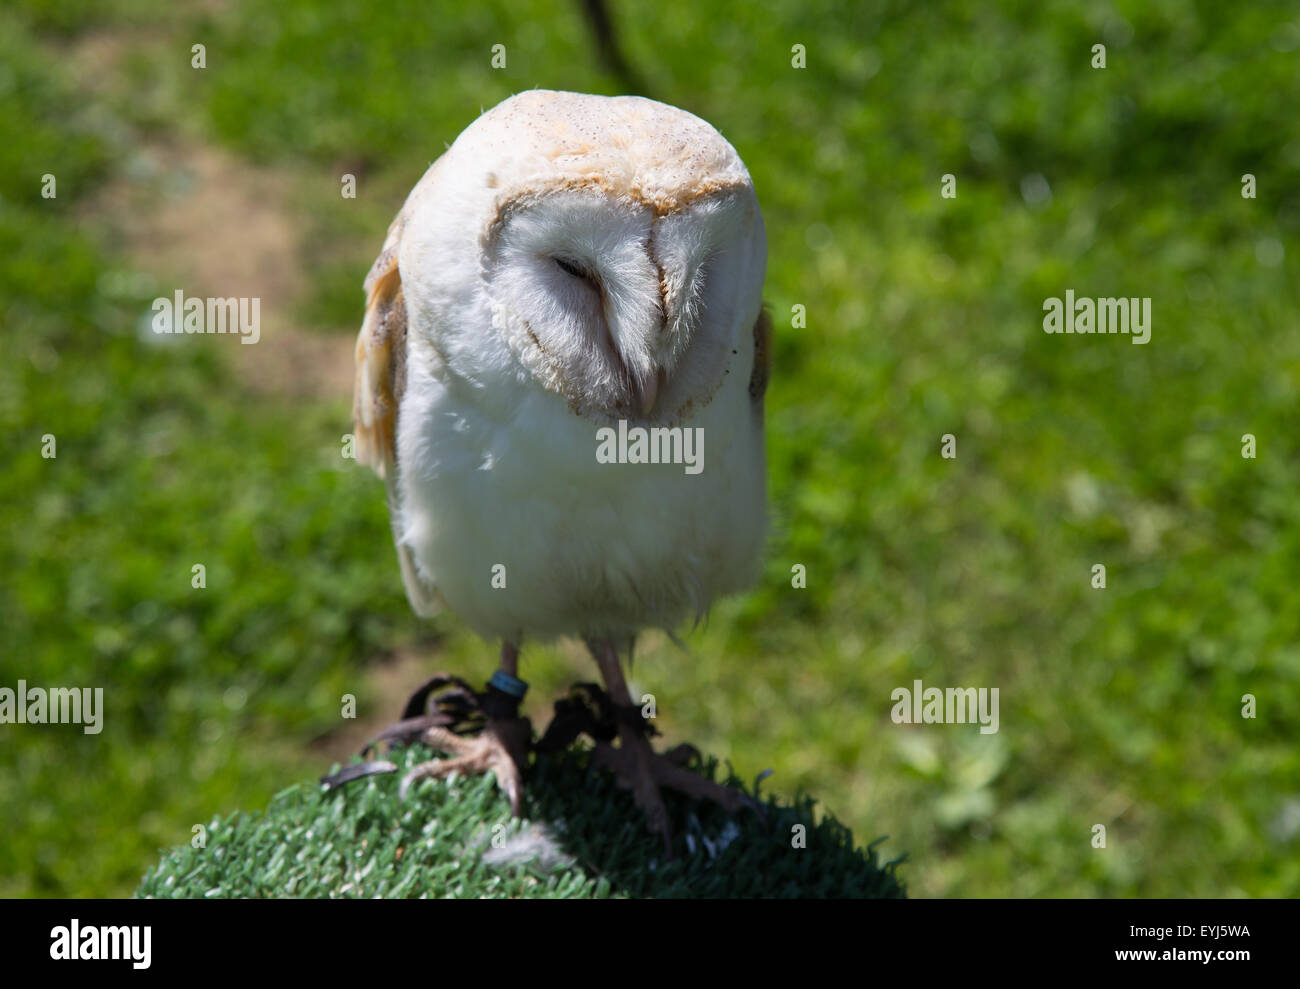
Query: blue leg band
pixel 507 684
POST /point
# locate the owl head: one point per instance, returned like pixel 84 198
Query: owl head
pixel 610 249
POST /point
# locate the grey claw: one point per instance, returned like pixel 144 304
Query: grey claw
pixel 358 770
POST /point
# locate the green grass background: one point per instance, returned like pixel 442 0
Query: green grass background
pixel 1119 707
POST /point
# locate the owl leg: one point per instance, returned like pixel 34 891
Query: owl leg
pixel 632 763
pixel 639 768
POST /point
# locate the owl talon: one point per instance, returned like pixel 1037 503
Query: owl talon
pixel 501 749
pixel 637 767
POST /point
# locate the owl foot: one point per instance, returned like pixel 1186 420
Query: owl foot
pixel 481 731
pixel 501 748
pixel 636 766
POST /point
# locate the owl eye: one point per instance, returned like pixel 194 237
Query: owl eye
pixel 573 269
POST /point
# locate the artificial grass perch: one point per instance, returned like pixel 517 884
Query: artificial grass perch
pixel 579 836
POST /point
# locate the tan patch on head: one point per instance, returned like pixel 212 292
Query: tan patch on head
pixel 623 146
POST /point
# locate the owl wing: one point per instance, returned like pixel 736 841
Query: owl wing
pixel 381 344
pixel 377 393
pixel 381 359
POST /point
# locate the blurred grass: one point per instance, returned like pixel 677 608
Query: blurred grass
pixel 1119 707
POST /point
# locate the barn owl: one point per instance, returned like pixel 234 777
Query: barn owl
pixel 573 269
